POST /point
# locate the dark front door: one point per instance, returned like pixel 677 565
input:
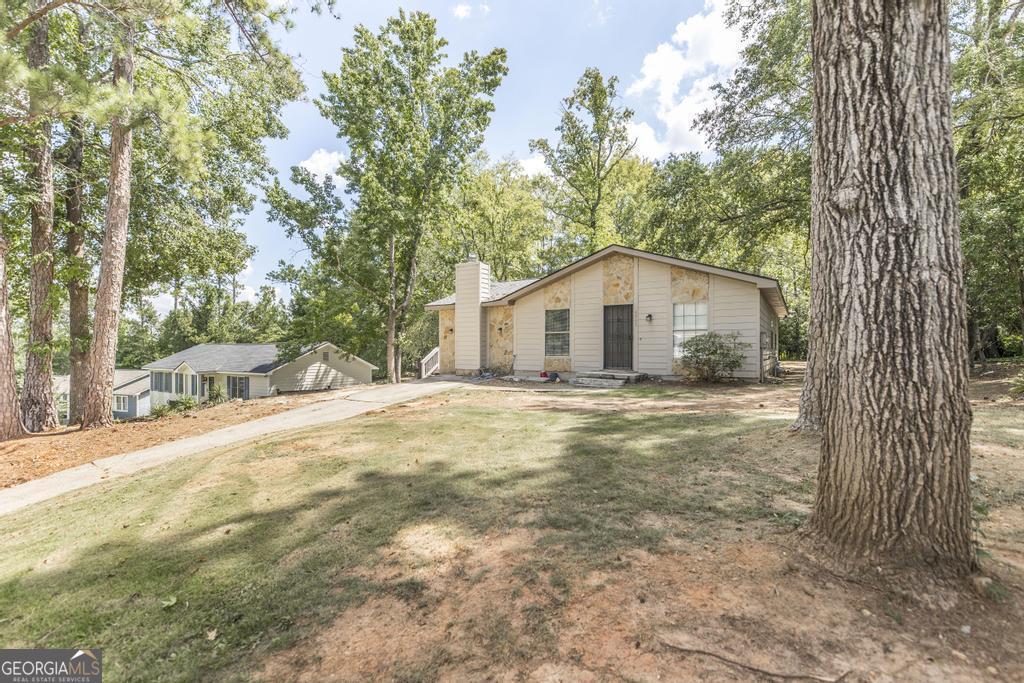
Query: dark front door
pixel 618 337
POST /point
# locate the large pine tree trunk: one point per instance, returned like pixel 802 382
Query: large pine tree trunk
pixel 78 283
pixel 10 416
pixel 103 350
pixel 38 411
pixel 895 456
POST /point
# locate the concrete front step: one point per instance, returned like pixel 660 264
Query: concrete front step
pixel 601 382
pixel 623 375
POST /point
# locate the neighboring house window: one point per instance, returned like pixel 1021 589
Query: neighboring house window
pixel 155 382
pixel 327 356
pixel 195 385
pixel 556 332
pixel 238 387
pixel 120 403
pixel 688 320
pixel 179 383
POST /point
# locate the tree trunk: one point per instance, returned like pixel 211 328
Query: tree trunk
pixel 38 411
pixel 78 283
pixel 893 478
pixel 809 417
pixel 10 417
pixel 103 350
pixel 392 377
pixel 392 324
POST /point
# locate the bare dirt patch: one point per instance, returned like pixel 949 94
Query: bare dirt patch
pixel 36 456
pixel 494 610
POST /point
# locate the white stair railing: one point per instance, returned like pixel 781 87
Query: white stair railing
pixel 431 362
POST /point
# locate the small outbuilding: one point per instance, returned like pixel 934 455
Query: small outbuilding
pixel 252 371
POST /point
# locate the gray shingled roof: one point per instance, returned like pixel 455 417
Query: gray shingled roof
pixel 126 381
pixel 257 358
pixel 499 290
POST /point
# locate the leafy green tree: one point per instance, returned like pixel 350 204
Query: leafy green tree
pixel 593 140
pixel 495 215
pixel 138 342
pixel 411 124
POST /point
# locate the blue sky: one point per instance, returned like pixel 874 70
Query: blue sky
pixel 666 55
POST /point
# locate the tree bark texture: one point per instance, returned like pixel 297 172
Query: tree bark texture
pixel 10 417
pixel 38 410
pixel 893 479
pixel 103 350
pixel 78 283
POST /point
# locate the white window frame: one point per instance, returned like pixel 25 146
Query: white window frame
pixel 567 332
pixel 120 403
pixel 688 320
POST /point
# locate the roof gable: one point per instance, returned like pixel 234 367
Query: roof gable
pixel 769 286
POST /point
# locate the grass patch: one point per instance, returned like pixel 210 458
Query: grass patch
pixel 260 544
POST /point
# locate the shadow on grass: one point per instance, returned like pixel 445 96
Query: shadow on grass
pixel 251 562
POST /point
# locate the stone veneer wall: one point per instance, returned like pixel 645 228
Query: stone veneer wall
pixel 556 297
pixel 446 340
pixel 499 338
pixel 688 286
pixel 618 281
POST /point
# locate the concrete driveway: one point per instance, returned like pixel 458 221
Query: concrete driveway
pixel 105 469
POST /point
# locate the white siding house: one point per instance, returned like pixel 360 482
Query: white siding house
pixel 252 371
pixel 621 309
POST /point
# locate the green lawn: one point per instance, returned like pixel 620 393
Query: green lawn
pixel 200 568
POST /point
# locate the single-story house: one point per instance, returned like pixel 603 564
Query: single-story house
pixel 252 371
pixel 618 309
pixel 131 394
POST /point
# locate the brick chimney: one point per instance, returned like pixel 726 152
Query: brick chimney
pixel 472 287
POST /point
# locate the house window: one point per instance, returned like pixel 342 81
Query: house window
pixel 238 387
pixel 179 383
pixel 120 404
pixel 556 332
pixel 195 385
pixel 688 321
pixel 327 356
pixel 156 382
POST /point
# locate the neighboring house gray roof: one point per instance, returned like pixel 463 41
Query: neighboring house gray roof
pixel 253 358
pixel 499 290
pixel 126 381
pixel 259 359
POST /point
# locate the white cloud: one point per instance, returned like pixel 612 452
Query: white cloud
pixel 322 163
pixel 602 12
pixel 163 303
pixel 647 143
pixel 534 166
pixel 462 10
pixel 484 8
pixel 703 51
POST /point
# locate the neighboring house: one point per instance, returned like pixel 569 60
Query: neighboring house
pixel 131 394
pixel 252 371
pixel 617 309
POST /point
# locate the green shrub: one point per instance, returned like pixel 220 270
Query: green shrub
pixel 217 394
pixel 183 404
pixel 160 411
pixel 1013 344
pixel 712 356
